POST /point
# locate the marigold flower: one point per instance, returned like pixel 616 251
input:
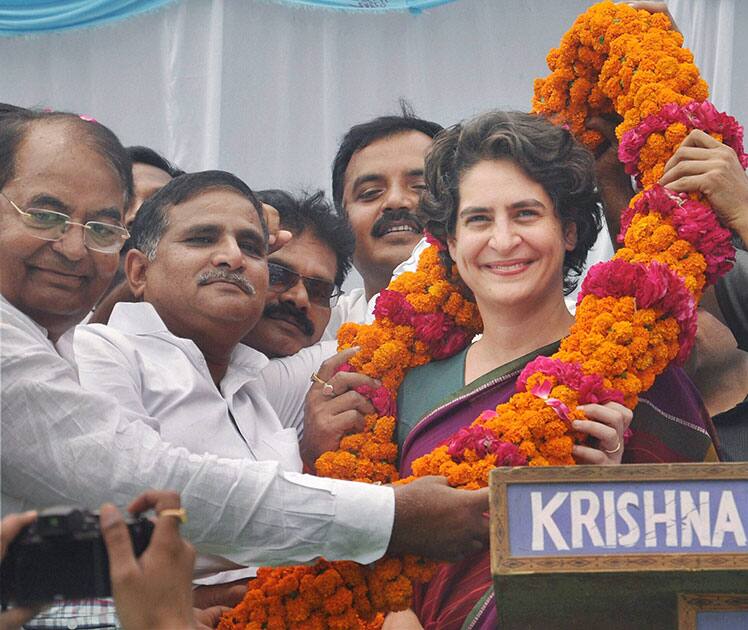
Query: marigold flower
pixel 635 314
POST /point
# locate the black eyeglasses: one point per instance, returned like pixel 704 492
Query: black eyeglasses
pixel 320 292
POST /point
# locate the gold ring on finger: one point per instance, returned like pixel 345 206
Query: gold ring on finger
pixel 179 513
pixel 615 450
pixel 315 378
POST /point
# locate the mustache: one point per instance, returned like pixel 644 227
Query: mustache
pixel 227 276
pixel 385 222
pixel 288 310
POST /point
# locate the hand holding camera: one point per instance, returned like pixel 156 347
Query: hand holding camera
pixel 72 553
pixel 154 590
pixel 9 528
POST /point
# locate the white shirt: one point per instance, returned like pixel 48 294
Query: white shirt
pixel 351 307
pixel 164 381
pixel 63 445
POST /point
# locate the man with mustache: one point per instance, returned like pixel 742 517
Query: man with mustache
pixel 377 179
pixel 61 178
pixel 197 268
pixel 305 275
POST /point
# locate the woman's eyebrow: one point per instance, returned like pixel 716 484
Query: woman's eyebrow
pixel 524 203
pixel 473 210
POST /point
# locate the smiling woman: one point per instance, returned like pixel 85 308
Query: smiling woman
pixel 512 198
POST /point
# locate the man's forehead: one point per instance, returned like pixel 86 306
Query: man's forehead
pixel 308 255
pixel 404 151
pixel 148 173
pixel 216 207
pixel 52 144
pixel 55 163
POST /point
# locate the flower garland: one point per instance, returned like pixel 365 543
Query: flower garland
pixel 420 317
pixel 636 313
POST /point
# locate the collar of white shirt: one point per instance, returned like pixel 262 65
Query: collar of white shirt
pixel 141 318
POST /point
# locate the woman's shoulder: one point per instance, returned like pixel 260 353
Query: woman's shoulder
pixel 425 386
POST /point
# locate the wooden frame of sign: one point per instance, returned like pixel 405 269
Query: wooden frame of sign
pixel 503 563
pixel 550 572
pixel 691 604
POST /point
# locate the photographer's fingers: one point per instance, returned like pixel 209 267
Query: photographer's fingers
pixel 156 500
pixel 15 617
pixel 10 527
pixel 122 562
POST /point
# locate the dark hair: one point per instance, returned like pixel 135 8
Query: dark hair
pixel 8 108
pixel 15 122
pixel 313 212
pixel 548 154
pixel 361 136
pixel 153 218
pixel 145 155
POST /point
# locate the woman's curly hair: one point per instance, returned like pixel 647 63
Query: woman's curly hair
pixel 548 154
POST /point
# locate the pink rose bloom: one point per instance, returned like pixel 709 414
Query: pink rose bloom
pixel 484 441
pixel 430 327
pixel 613 277
pixel 394 306
pixel 380 398
pixel 589 386
pixel 450 344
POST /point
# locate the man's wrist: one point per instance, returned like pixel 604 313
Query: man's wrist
pixel 740 227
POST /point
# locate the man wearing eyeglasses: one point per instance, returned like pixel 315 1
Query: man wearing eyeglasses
pixel 305 275
pixel 62 444
pixel 53 277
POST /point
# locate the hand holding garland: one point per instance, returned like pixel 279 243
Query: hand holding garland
pixel 435 520
pixel 710 167
pixel 331 415
pixel 607 424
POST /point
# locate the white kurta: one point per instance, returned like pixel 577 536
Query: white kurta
pixel 164 381
pixel 62 444
pixel 351 307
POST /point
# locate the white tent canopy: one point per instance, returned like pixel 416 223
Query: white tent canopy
pixel 266 90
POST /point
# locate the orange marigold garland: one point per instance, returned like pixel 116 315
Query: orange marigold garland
pixel 635 315
pixel 420 316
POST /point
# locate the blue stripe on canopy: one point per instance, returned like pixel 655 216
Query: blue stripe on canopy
pixel 19 17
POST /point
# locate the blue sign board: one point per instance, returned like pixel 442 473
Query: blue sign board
pixel 627 517
pixel 722 620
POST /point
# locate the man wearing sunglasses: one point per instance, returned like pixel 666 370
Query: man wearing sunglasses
pixel 305 275
pixel 62 444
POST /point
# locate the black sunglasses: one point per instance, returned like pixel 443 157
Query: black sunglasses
pixel 320 292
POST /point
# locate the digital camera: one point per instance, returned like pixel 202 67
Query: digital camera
pixel 62 556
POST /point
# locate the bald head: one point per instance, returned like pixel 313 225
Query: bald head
pixel 16 123
pixel 58 165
